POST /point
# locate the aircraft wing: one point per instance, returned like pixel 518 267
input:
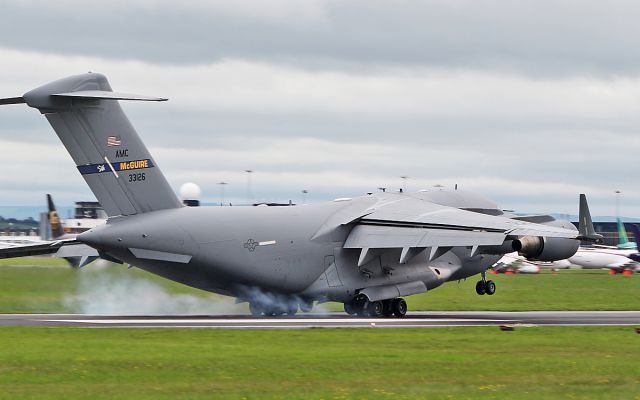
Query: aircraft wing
pixel 48 247
pixel 414 225
pixel 444 226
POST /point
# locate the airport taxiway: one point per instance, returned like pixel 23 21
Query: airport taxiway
pixel 412 320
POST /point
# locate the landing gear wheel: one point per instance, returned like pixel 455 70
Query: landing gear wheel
pixel 269 312
pixel 387 308
pixel 360 305
pixel 350 308
pixel 361 309
pixel 375 308
pixel 399 307
pixel 490 287
pixel 480 288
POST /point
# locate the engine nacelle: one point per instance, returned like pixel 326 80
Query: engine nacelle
pixel 545 249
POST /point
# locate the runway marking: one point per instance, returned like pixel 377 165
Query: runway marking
pixel 280 321
pixel 289 326
pixel 437 319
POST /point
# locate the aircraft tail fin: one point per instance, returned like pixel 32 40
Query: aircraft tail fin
pixel 622 232
pixel 113 160
pixel 54 220
pixel 586 230
pixel 635 228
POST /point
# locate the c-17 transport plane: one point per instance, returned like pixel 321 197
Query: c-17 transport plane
pixel 365 252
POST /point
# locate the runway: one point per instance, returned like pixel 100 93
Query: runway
pixel 412 320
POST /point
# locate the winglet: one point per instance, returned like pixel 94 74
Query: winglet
pixel 586 230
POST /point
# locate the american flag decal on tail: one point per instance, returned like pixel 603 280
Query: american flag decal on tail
pixel 114 141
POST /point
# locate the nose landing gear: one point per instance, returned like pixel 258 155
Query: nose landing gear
pixel 484 286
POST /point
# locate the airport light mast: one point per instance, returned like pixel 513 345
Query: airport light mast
pixel 222 185
pixel 404 183
pixel 249 197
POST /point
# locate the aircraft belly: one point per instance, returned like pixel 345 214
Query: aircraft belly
pixel 285 267
pixel 383 271
pixel 470 266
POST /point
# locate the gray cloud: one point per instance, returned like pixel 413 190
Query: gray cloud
pixel 542 38
pixel 528 104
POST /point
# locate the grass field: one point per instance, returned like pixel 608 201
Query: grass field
pixel 441 363
pixel 470 363
pixel 53 287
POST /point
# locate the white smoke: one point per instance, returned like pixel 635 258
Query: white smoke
pixel 280 304
pixel 111 291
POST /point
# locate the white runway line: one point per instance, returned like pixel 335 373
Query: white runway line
pixel 271 321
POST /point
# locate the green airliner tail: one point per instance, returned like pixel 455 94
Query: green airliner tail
pixel 623 240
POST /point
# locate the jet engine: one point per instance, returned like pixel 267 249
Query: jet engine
pixel 545 249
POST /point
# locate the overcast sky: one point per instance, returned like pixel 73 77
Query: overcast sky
pixel 528 103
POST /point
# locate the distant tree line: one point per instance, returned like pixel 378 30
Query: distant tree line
pixel 18 225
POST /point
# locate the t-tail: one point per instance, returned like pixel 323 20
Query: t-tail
pixel 86 116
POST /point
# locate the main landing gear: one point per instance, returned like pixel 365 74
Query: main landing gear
pixel 362 307
pixel 273 310
pixel 484 286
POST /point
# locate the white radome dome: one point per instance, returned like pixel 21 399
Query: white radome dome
pixel 190 191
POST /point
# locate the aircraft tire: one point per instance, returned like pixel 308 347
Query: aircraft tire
pixel 399 307
pixel 490 287
pixel 480 288
pixel 362 309
pixel 387 308
pixel 350 308
pixel 292 309
pixel 375 309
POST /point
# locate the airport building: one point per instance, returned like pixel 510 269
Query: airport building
pixel 609 232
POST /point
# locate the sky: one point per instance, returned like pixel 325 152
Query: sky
pixel 529 103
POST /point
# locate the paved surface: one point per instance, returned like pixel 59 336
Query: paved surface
pixel 412 320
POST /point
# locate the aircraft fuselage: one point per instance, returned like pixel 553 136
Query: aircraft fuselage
pixel 286 250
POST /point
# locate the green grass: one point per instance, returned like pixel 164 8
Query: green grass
pixel 440 363
pixel 33 262
pixel 565 290
pixel 48 289
pixel 469 363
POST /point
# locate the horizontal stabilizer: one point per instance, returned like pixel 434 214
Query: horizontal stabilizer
pixel 38 249
pixel 12 100
pixel 106 95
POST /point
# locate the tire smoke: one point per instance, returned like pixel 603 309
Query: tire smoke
pixel 111 291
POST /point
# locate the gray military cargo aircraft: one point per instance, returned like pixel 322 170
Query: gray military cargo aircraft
pixel 366 252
